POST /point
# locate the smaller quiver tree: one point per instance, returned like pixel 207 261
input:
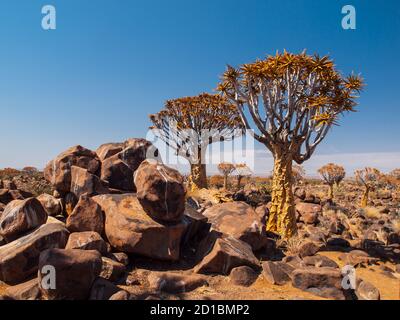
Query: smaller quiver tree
pixel 226 169
pixel 241 171
pixel 332 174
pixel 370 178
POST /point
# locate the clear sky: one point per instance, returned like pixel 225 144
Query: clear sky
pixel 109 64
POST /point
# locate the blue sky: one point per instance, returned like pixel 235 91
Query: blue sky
pixel 109 64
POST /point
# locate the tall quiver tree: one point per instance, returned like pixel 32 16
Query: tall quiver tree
pixel 332 174
pixel 188 125
pixel 241 171
pixel 291 101
pixel 370 178
pixel 226 169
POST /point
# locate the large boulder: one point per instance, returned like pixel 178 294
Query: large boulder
pixel 309 212
pixel 52 205
pixel 5 196
pixel 86 216
pixel 129 229
pixel 83 182
pixel 240 221
pixel 75 272
pixel 160 190
pixel 58 171
pixel 120 161
pixel 20 216
pixel 87 240
pixel 220 253
pixel 19 259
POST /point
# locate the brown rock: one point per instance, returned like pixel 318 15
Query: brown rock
pixel 120 295
pixel 28 290
pixel 309 212
pixel 5 196
pixel 308 248
pixel 274 274
pixel 86 216
pixel 107 150
pixel 223 253
pixel 117 173
pixel 367 291
pixel 161 191
pixel 75 270
pixel 103 289
pixel 20 216
pixel 52 205
pixel 175 283
pixel 320 261
pixel 19 259
pixel 83 182
pixel 240 221
pixel 111 270
pixel 87 240
pixel 129 229
pixel 58 171
pixel 324 282
pixel 243 276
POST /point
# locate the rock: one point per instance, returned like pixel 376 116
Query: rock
pixel 19 259
pixel 398 268
pixel 83 182
pixel 5 196
pixel 28 290
pixel 70 201
pixel 324 282
pixel 87 240
pixel 111 270
pixel 86 216
pixel 117 174
pixel 240 221
pixel 129 229
pixel 320 261
pixel 197 226
pixel 367 291
pixel 357 258
pixel 103 289
pixel 160 191
pixel 75 270
pixel 52 205
pixel 58 171
pixel 274 274
pixel 121 160
pixel 120 257
pixel 175 283
pixel 309 212
pixel 300 193
pixel 243 276
pixel 308 248
pixel 120 295
pixel 20 216
pixel 51 219
pixel 337 243
pixel 10 185
pixel 222 253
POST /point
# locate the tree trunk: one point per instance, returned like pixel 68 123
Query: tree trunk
pixel 282 218
pixel 239 180
pixel 364 199
pixel 330 193
pixel 198 176
pixel 225 181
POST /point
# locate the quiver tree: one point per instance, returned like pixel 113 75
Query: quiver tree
pixel 332 174
pixel 188 125
pixel 226 169
pixel 298 174
pixel 291 101
pixel 370 179
pixel 241 171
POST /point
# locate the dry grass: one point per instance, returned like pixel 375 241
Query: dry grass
pixel 291 246
pixel 371 212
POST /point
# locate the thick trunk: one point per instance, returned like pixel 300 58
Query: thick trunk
pixel 330 193
pixel 364 199
pixel 282 218
pixel 225 181
pixel 239 180
pixel 198 176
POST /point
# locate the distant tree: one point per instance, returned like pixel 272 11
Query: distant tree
pixel 9 173
pixel 292 101
pixel 241 171
pixel 298 173
pixel 226 169
pixel 190 124
pixel 332 174
pixel 30 170
pixel 370 178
